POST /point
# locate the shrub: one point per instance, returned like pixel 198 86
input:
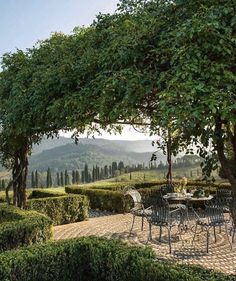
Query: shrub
pixel 95 259
pixel 108 196
pixel 62 209
pixel 18 227
pixel 44 193
pixel 103 199
pixel 103 185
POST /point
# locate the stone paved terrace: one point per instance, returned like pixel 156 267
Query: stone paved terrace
pixel 220 256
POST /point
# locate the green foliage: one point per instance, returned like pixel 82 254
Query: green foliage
pixel 49 178
pixel 42 193
pixel 62 209
pixel 18 228
pixel 139 62
pixel 95 259
pixel 109 196
pixel 102 199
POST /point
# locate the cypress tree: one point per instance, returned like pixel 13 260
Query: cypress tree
pixel 66 177
pixel 0 184
pixel 97 172
pixel 121 165
pixel 105 171
pixel 77 176
pixel 114 167
pixel 82 177
pixel 89 177
pixel 102 174
pixel 3 184
pixel 58 179
pixel 73 177
pixel 47 178
pixel 32 180
pixel 110 171
pixel 93 174
pixel 36 179
pixel 62 179
pixel 86 176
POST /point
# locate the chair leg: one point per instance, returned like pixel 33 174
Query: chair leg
pixel 142 223
pixel 208 235
pixel 169 238
pixel 160 233
pixel 180 235
pixel 214 233
pixel 150 231
pixel 194 234
pixel 132 224
pixel 227 234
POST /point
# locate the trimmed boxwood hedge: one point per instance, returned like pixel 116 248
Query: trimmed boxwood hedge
pixel 95 259
pixel 18 227
pixel 44 193
pixel 63 209
pixel 108 196
pixel 102 199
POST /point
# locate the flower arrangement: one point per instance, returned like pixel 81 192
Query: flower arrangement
pixel 182 186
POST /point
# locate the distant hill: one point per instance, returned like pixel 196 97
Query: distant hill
pixel 61 154
pixel 50 143
pixel 125 145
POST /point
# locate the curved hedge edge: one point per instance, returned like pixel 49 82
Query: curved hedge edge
pixel 43 193
pixel 96 259
pixel 106 200
pixel 63 209
pixel 22 228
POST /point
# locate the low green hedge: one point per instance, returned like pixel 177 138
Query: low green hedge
pixel 44 193
pixel 102 199
pixel 95 259
pixel 63 209
pixel 18 227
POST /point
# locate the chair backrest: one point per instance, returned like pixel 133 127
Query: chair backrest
pixel 233 212
pixel 169 188
pixel 223 197
pixel 160 215
pixel 215 213
pixel 223 193
pixel 136 196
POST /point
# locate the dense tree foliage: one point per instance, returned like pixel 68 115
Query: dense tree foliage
pixel 153 62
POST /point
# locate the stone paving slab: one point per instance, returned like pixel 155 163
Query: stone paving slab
pixel 220 256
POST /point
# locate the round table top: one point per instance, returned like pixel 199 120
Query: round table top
pixel 187 197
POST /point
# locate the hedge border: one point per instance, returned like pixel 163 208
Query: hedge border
pixel 19 228
pixel 96 259
pixel 63 209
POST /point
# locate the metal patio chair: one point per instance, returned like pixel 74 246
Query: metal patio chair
pixel 169 188
pixel 212 217
pixel 138 210
pixel 223 198
pixel 163 217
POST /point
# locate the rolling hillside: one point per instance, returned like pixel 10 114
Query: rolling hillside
pixel 60 154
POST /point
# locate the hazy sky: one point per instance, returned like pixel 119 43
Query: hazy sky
pixel 24 22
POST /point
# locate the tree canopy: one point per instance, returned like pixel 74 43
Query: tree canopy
pixel 154 62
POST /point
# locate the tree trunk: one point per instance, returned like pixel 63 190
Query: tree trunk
pixel 222 158
pixel 19 175
pixel 169 159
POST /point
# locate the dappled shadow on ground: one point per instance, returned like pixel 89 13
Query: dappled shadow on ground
pixel 220 256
